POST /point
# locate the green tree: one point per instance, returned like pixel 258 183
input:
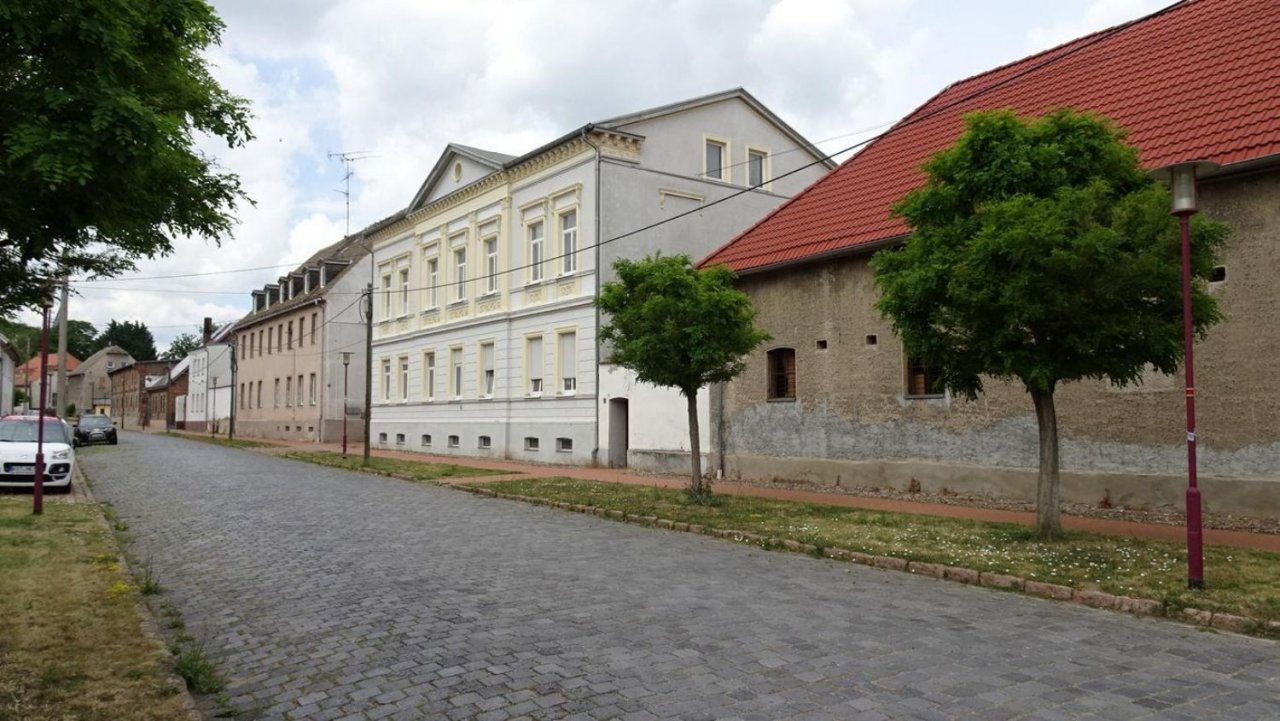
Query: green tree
pixel 679 327
pixel 1041 253
pixel 101 104
pixel 181 346
pixel 82 339
pixel 135 338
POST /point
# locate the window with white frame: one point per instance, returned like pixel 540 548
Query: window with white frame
pixel 455 371
pixel 491 264
pixel 533 364
pixel 486 370
pixel 460 273
pixel 386 295
pixel 429 376
pixel 535 251
pixel 433 283
pixel 404 378
pixel 567 354
pixel 757 167
pixel 569 241
pixel 386 380
pixel 288 392
pixel 300 390
pixel 716 153
pixel 404 291
pixel 313 389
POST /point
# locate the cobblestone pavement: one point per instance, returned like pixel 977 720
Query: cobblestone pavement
pixel 324 594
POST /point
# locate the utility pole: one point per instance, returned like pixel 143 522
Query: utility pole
pixel 236 397
pixel 368 369
pixel 60 404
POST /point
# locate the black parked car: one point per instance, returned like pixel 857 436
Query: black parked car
pixel 95 429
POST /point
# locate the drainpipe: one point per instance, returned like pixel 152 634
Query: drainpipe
pixel 595 452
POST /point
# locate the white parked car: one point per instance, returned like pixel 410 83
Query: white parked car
pixel 18 453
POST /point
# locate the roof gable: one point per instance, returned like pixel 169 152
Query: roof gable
pixel 1224 107
pixel 454 153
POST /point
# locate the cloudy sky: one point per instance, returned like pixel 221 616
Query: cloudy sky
pixel 397 79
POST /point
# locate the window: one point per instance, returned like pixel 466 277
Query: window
pixel 715 160
pixel 386 296
pixel 404 378
pixel 262 347
pixel 757 161
pixel 782 373
pixel 569 241
pixel 533 364
pixel 485 442
pixel 288 392
pixel 433 283
pixel 259 394
pixel 426 440
pixel 923 380
pixel 530 443
pixel 567 347
pixel 277 393
pixel 873 339
pixel 429 376
pixel 313 389
pixel 241 396
pixel 313 327
pixel 299 388
pixel 1218 275
pixel 251 346
pixel 280 337
pixel 564 445
pixel 382 437
pixel 453 442
pixel 486 370
pixel 386 380
pixel 822 344
pixel 535 252
pixel 404 291
pixel 455 371
pixel 399 439
pixel 290 346
pixel 460 273
pixel 271 340
pixel 491 264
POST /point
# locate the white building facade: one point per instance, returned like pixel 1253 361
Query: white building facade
pixel 485 333
pixel 209 396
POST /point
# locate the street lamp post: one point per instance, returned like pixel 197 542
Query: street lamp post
pixel 37 485
pixel 1182 182
pixel 213 414
pixel 346 366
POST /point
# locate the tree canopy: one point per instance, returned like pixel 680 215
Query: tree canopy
pixel 101 106
pixel 132 336
pixel 82 337
pixel 680 327
pixel 181 346
pixel 1041 253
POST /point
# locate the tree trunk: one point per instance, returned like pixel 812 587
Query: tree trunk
pixel 1047 493
pixel 695 483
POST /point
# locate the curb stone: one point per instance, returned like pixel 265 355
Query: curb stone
pixel 955 574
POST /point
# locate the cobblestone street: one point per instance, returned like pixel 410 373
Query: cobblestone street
pixel 324 594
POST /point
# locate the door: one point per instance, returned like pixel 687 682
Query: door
pixel 619 433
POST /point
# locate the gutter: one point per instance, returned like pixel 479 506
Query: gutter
pixel 595 451
pixel 829 255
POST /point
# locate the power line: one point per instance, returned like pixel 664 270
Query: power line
pixel 185 275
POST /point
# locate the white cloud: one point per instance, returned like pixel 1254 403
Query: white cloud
pixel 1098 15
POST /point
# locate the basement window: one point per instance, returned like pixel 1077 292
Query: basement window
pixel 872 339
pixel 485 442
pixel 1218 274
pixel 382 437
pixel 822 344
pixel 426 440
pixel 453 442
pixel 564 445
pixel 531 443
pixel 782 374
pixel 399 439
pixel 923 380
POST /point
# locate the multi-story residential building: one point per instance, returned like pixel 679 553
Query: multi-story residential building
pixel 166 395
pixel 129 402
pixel 89 386
pixel 834 399
pixel 290 350
pixel 208 404
pixel 27 377
pixel 485 340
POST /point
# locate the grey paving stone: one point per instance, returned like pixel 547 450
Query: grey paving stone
pixel 326 594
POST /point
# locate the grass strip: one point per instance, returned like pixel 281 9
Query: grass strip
pixel 1239 581
pixel 400 468
pixel 71 640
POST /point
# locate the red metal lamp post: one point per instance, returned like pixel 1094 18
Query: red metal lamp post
pixel 37 486
pixel 1182 182
pixel 346 366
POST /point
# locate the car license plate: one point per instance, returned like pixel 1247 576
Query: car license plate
pixel 18 468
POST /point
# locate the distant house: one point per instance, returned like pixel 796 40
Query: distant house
pixel 89 386
pixel 8 364
pixel 166 394
pixel 129 400
pixel 27 377
pixel 208 403
pixel 833 399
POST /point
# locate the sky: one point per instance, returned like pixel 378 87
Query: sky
pixel 396 80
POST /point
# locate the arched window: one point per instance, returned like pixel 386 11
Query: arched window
pixel 782 373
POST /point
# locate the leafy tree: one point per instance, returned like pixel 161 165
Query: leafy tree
pixel 1041 253
pixel 680 327
pixel 100 106
pixel 82 339
pixel 133 337
pixel 181 346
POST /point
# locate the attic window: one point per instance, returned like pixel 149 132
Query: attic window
pixel 1218 275
pixel 822 344
pixel 457 172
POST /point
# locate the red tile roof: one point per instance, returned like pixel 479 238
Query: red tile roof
pixel 1197 81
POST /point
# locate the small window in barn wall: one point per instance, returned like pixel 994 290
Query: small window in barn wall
pixel 782 373
pixel 923 380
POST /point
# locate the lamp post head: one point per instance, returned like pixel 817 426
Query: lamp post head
pixel 346 358
pixel 1181 178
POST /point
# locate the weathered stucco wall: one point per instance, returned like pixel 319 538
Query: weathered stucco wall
pixel 850 405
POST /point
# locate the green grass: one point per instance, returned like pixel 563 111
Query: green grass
pixel 1239 581
pixel 194 666
pixel 413 470
pixel 220 441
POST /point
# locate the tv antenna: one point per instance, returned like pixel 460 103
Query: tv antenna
pixel 348 160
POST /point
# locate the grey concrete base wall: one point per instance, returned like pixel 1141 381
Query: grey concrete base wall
pixel 1241 496
pixel 276 430
pixel 331 430
pixel 675 463
pixel 507 439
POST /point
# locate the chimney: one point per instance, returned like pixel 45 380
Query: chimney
pixel 208 330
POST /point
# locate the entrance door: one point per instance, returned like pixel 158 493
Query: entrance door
pixel 619 433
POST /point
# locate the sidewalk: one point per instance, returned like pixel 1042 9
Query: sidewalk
pixel 1104 526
